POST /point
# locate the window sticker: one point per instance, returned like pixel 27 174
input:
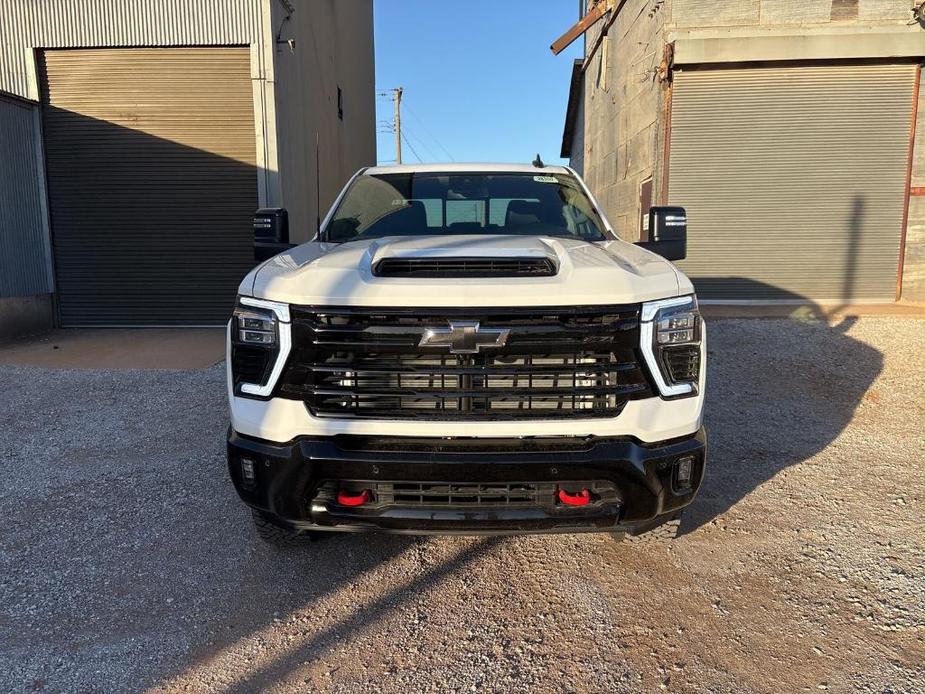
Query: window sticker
pixel 545 179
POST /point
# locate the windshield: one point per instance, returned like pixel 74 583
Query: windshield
pixel 427 204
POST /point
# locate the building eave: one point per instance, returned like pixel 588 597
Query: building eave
pixel 571 111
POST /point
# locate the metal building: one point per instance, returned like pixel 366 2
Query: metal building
pixel 786 129
pixel 139 136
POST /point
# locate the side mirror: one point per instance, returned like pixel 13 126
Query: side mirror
pixel 271 232
pixel 667 232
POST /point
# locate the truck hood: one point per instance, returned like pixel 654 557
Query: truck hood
pixel 329 274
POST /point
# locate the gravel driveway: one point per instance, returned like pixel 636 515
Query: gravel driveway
pixel 127 562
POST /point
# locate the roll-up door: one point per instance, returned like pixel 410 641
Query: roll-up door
pixel 794 179
pixel 152 185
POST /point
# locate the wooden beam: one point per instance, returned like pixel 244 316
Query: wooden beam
pixel 614 13
pixel 580 27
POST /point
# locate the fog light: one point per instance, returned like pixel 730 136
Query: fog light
pixel 684 469
pixel 248 476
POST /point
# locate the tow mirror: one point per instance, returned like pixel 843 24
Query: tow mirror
pixel 667 232
pixel 271 232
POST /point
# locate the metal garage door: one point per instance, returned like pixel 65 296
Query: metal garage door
pixel 794 179
pixel 152 182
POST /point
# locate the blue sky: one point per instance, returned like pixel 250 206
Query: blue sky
pixel 480 81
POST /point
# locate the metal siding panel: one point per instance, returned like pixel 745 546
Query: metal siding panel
pixel 793 179
pixel 22 229
pixel 150 157
pixel 28 24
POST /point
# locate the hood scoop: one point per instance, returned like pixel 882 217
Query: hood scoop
pixel 461 267
pixel 465 256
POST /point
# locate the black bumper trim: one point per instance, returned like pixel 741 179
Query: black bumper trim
pixel 288 477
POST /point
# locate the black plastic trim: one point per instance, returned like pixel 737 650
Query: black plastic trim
pixel 465 267
pixel 289 477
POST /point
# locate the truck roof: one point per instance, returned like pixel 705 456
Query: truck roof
pixel 465 168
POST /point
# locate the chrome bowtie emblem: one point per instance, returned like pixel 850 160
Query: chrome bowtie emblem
pixel 464 337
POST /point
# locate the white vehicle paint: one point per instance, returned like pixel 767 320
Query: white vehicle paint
pixel 321 274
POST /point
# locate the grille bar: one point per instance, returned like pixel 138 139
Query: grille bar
pixel 557 362
pixel 517 393
pixel 492 371
pixel 453 494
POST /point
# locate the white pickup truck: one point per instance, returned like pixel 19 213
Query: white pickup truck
pixel 467 349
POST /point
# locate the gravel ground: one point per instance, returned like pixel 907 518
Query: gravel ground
pixel 127 563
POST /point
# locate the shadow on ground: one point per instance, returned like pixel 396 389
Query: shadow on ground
pixel 785 397
pixel 127 559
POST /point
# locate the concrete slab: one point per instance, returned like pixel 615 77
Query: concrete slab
pixel 148 348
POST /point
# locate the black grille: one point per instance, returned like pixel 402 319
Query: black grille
pixel 465 267
pixel 558 362
pixel 683 363
pixel 456 494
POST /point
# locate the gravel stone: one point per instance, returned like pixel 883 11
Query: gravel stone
pixel 127 562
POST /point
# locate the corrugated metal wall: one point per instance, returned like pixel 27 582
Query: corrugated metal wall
pixel 151 182
pixel 23 264
pixel 27 24
pixel 794 179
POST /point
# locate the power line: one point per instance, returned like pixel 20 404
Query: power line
pixel 411 147
pixel 427 130
pixel 424 145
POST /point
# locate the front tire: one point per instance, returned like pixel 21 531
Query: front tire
pixel 278 536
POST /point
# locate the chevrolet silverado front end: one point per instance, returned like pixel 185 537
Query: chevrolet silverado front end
pixel 467 349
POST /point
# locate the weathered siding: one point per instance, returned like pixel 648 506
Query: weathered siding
pixel 29 24
pixel 625 124
pixel 333 48
pixel 766 13
pixel 23 257
pixel 623 113
pixel 296 120
pixel 913 286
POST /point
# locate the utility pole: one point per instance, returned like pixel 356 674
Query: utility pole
pixel 396 96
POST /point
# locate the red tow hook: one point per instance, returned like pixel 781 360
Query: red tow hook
pixel 345 498
pixel 580 499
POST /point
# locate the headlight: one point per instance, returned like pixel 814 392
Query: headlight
pixel 670 342
pixel 255 327
pixel 260 343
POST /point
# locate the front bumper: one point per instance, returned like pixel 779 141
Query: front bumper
pixel 633 484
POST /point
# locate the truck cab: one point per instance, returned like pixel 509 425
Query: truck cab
pixel 467 349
